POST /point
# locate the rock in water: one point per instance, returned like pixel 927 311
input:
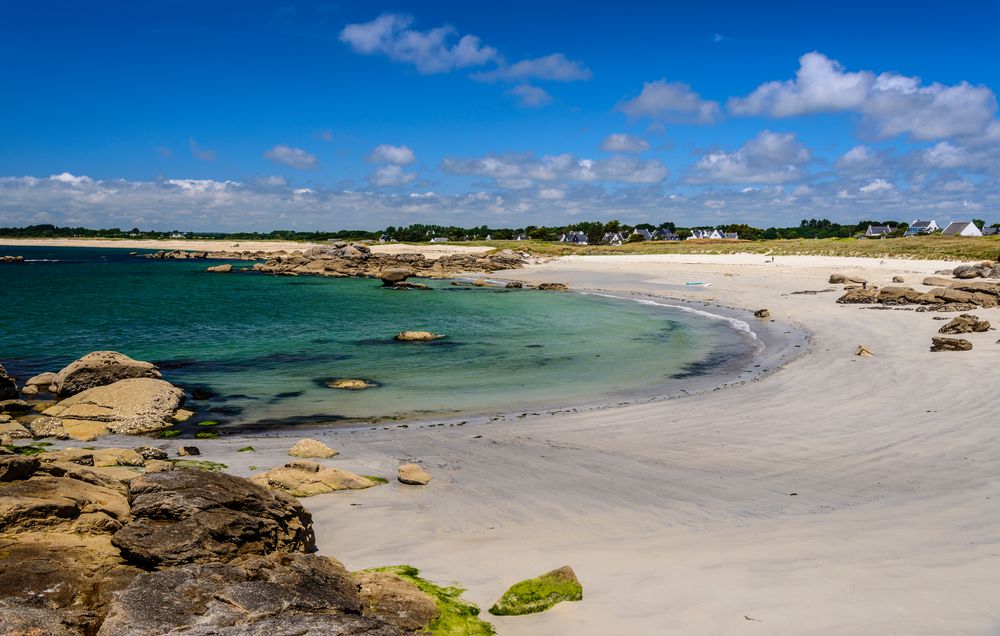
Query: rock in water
pixel 220 269
pixel 539 594
pixel 965 323
pixel 554 287
pixel 100 368
pixel 763 314
pixel 939 343
pixel 417 336
pixel 128 407
pixel 8 386
pixel 305 479
pixel 196 516
pixel 311 448
pixel 395 275
pixel 413 475
pixel 350 384
pixel 864 352
pixel 514 285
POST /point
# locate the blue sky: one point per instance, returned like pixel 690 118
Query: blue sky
pixel 263 115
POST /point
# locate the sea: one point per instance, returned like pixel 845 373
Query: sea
pixel 256 351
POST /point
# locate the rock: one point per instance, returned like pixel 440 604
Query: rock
pixel 965 323
pixel 939 343
pixel 151 452
pixel 539 594
pixel 117 457
pixel 898 279
pixel 14 406
pixel 158 466
pixel 29 390
pixel 100 368
pixel 11 259
pixel 182 415
pixel 277 595
pixel 42 381
pixel 79 456
pixel 305 479
pixel 220 269
pixel 840 279
pixel 188 451
pixel 311 448
pixel 864 352
pixel 395 275
pixel 127 407
pixel 937 281
pixel 196 516
pixel 350 384
pixel 859 296
pixel 985 269
pixel 554 287
pixel 404 286
pixel 15 467
pixel 417 336
pixel 13 429
pixel 386 595
pixel 763 314
pixel 898 296
pixel 514 285
pixel 413 475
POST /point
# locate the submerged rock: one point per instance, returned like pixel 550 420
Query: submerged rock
pixel 100 368
pixel 413 475
pixel 220 269
pixel 305 479
pixel 539 594
pixel 350 384
pixel 417 336
pixel 311 448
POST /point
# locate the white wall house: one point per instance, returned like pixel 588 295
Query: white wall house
pixel 962 228
pixel 713 234
pixel 922 227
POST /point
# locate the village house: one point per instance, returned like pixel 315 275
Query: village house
pixel 614 238
pixel 439 239
pixel 991 231
pixel 878 231
pixel 922 227
pixel 962 228
pixel 664 234
pixel 713 234
pixel 575 237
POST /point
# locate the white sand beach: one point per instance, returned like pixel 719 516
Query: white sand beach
pixel 839 495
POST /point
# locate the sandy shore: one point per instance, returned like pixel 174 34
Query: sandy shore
pixel 252 246
pixel 839 495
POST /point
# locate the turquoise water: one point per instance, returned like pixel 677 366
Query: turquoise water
pixel 260 347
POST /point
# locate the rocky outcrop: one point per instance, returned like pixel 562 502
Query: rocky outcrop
pixel 859 295
pixel 8 385
pixel 985 269
pixel 553 287
pixel 843 279
pixel 966 323
pixel 128 407
pixel 413 475
pixel 357 260
pixel 311 448
pixel 304 478
pixel 395 275
pixel 11 259
pixel 937 281
pixel 940 343
pixel 539 594
pixel 100 368
pixel 417 336
pixel 959 295
pixel 192 516
pixel 225 268
pixel 385 594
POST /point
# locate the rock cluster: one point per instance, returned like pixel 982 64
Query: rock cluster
pixel 85 552
pixel 940 343
pixel 966 323
pixel 11 259
pixel 985 269
pixel 958 295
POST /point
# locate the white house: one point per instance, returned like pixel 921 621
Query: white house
pixel 922 227
pixel 878 231
pixel 644 233
pixel 521 237
pixel 713 234
pixel 664 234
pixel 439 239
pixel 614 238
pixel 576 237
pixel 962 228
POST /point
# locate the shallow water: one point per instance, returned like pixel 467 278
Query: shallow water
pixel 263 346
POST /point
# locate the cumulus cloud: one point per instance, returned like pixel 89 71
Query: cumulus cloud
pixel 432 51
pixel 622 142
pixel 530 96
pixel 889 104
pixel 767 158
pixel 292 157
pixel 671 102
pixel 555 67
pixel 199 153
pixel 397 155
pixel 392 175
pixel 877 185
pixel 858 159
pixel 522 171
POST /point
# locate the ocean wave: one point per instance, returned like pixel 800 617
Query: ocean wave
pixel 735 323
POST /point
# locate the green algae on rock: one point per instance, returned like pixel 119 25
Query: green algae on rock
pixel 457 617
pixel 539 594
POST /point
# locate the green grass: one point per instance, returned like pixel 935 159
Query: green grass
pixel 538 594
pixel 199 464
pixel 456 618
pixel 246 449
pixel 935 247
pixel 376 479
pixel 206 434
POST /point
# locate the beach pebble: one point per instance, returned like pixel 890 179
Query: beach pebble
pixel 413 475
pixel 864 352
pixel 311 448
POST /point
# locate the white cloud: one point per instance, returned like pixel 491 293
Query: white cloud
pixel 622 142
pixel 530 96
pixel 767 158
pixel 432 51
pixel 292 157
pixel 519 172
pixel 672 102
pixel 552 194
pixel 555 67
pixel 71 179
pixel 392 175
pixel 858 159
pixel 877 185
pixel 202 154
pixel 397 155
pixel 890 104
pixel 272 181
